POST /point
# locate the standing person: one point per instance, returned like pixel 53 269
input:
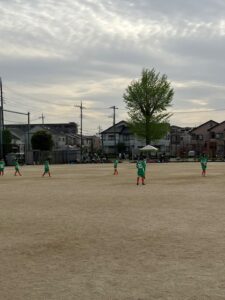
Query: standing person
pixel 46 169
pixel 115 166
pixel 203 160
pixel 17 168
pixel 140 171
pixel 2 167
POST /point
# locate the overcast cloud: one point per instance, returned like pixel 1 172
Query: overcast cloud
pixel 54 54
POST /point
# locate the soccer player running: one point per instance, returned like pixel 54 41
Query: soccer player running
pixel 203 160
pixel 115 166
pixel 141 166
pixel 46 169
pixel 2 167
pixel 17 168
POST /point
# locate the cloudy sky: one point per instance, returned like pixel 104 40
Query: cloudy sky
pixel 54 54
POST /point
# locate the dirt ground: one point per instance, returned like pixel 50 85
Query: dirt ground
pixel 86 234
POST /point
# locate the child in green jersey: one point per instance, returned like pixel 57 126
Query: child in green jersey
pixel 2 167
pixel 115 167
pixel 46 169
pixel 17 168
pixel 203 160
pixel 140 165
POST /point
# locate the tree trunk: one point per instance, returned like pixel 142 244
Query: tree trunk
pixel 147 131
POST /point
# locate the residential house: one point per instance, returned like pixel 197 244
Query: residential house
pixel 18 142
pixel 121 139
pixel 180 141
pixel 201 139
pixel 91 143
pixel 59 132
pixel 217 140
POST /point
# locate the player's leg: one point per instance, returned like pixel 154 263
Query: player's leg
pixel 138 180
pixel 143 180
pixel 202 169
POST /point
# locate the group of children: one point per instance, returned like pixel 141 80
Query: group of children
pixel 17 168
pixel 141 167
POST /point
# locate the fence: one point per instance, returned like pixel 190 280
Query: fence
pixel 55 157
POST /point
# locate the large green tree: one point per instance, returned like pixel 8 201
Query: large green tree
pixel 42 140
pixel 147 100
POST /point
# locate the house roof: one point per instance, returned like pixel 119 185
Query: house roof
pixel 56 127
pixel 17 133
pixel 216 123
pixel 120 127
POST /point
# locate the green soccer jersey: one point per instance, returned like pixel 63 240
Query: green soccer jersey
pixel 115 163
pixel 140 168
pixel 46 166
pixel 2 165
pixel 203 161
pixel 16 166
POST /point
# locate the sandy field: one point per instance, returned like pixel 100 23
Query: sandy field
pixel 86 234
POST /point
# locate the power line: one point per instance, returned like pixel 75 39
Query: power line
pixel 35 119
pixel 42 117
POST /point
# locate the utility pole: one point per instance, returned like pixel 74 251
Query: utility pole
pixel 81 129
pixel 100 136
pixel 99 130
pixel 42 117
pixel 28 131
pixel 114 128
pixel 1 119
pixel 1 144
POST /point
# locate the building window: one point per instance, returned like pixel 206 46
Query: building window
pixel 213 135
pixel 175 139
pixel 219 136
pixel 126 137
pixel 200 137
pixel 111 137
